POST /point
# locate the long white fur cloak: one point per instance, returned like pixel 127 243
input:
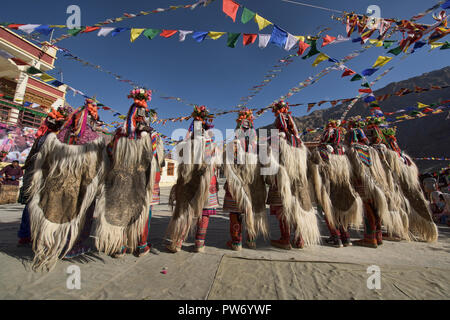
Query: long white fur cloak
pixel 63 186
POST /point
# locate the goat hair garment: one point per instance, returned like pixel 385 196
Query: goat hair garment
pixel 248 189
pixel 295 191
pixel 421 223
pixel 63 187
pixel 334 191
pixel 126 193
pixel 192 186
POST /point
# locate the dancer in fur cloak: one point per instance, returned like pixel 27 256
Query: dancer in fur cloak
pixel 369 181
pixel 67 172
pixel 289 193
pixel 135 156
pixel 245 189
pixel 405 171
pixel 332 173
pixel 197 186
pixel 52 123
pixel 398 205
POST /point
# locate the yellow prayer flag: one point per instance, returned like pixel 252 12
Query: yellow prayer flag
pixel 135 33
pixel 46 78
pixel 118 19
pixel 421 105
pixel 381 61
pixel 215 35
pixel 58 26
pixel 435 45
pixel 262 23
pixel 321 57
pixel 378 43
pixel 122 117
pixel 300 38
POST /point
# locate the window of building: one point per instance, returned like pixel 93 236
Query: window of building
pixel 170 168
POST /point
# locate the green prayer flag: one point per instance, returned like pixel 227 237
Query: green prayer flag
pixel 232 38
pixel 151 33
pixel 445 46
pixel 356 77
pixel 75 31
pixel 247 15
pixel 388 43
pixel 365 85
pixel 33 70
pixel 395 51
pixel 313 51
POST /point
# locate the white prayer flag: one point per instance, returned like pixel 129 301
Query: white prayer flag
pixel 28 28
pixel 105 31
pixel 183 34
pixel 290 42
pixel 263 40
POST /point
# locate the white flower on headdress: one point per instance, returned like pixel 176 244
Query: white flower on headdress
pixel 142 91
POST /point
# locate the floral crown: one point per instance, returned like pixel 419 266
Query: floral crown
pixel 357 122
pixel 140 94
pixel 90 101
pixel 245 114
pixel 375 120
pixel 389 132
pixel 200 113
pixel 280 107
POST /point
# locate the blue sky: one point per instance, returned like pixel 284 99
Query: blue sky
pixel 211 73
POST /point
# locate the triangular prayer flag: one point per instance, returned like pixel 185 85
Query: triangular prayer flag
pixel 168 33
pixel 356 77
pixel 263 40
pixel 44 29
pixel 33 70
pixel 45 77
pixel 396 51
pixel 135 33
pixel 104 31
pixel 14 26
pixel 248 38
pixel 151 33
pixel 90 29
pixel 321 57
pixel 365 85
pixel 365 90
pixel 74 31
pixel 313 51
pixel 28 28
pixel 230 8
pixel 215 35
pixel 369 72
pixel 376 42
pixel 327 40
pixel 278 37
pixel 381 61
pixel 348 72
pixel 421 105
pixel 117 31
pixel 290 42
pixel 232 38
pixel 262 23
pixel 445 46
pixel 369 98
pixel 199 36
pixel 247 15
pixel 388 43
pixel 182 34
pixel 302 46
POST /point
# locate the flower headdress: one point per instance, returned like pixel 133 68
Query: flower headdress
pixel 140 94
pixel 390 132
pixel 356 122
pixel 245 114
pixel 374 120
pixel 280 107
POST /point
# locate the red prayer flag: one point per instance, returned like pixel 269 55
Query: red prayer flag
pixel 230 8
pixel 89 29
pixel 14 26
pixel 365 90
pixel 249 38
pixel 348 72
pixel 327 40
pixel 427 110
pixel 302 46
pixel 168 33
